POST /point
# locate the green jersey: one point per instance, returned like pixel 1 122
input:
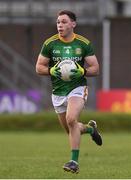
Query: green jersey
pixel 58 50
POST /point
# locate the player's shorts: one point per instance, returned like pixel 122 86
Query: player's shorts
pixel 60 102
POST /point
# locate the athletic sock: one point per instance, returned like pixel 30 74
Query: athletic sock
pixel 89 129
pixel 75 154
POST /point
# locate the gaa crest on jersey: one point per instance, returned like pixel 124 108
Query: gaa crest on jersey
pixel 55 51
pixel 78 51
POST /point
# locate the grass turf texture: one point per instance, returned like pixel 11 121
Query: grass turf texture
pixel 41 155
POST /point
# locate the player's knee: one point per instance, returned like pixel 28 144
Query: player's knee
pixel 81 127
pixel 71 121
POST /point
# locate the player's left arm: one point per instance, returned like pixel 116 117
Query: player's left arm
pixel 92 68
pixel 42 65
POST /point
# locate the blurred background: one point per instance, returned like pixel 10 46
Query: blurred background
pixel 24 25
pixel 25 97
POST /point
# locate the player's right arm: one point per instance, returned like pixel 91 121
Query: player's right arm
pixel 42 65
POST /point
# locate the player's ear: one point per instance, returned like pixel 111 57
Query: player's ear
pixel 74 24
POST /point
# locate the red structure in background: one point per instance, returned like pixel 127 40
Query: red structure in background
pixel 116 100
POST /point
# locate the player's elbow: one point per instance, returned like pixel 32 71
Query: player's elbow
pixel 37 69
pixel 97 71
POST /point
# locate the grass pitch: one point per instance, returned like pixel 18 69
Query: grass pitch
pixel 41 156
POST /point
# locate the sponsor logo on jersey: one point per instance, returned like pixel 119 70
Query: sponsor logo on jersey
pixel 55 51
pixel 67 58
pixel 78 51
pixel 67 47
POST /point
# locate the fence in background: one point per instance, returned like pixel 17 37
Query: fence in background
pixel 18 74
pixel 31 11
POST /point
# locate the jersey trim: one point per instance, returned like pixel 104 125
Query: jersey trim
pixel 81 38
pixel 52 38
pixel 85 93
pixel 72 39
pixel 76 36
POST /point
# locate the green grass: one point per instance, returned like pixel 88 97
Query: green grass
pixel 41 155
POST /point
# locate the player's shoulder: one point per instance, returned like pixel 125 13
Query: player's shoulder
pixel 51 39
pixel 82 39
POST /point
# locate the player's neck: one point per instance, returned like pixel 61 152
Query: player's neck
pixel 68 38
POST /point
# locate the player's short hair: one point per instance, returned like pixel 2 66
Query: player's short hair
pixel 71 14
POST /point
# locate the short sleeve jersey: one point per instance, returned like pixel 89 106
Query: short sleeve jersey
pixel 58 50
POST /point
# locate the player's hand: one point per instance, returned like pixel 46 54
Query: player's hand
pixel 79 72
pixel 55 71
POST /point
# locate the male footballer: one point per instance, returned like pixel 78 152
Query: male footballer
pixel 69 97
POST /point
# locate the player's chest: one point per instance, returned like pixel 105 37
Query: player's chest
pixel 62 51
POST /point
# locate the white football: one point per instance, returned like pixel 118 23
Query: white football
pixel 65 68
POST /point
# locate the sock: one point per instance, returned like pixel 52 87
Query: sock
pixel 75 154
pixel 89 129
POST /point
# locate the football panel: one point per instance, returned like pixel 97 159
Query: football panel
pixel 65 72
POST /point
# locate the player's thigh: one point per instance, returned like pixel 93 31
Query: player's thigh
pixel 62 120
pixel 74 108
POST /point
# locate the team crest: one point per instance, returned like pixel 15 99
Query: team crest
pixel 78 51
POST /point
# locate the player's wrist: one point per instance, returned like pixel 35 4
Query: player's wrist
pixel 52 71
pixel 84 72
pixel 49 71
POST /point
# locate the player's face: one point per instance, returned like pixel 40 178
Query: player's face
pixel 65 25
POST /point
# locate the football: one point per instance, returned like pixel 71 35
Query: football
pixel 65 68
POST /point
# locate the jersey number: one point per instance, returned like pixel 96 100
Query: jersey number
pixel 67 51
